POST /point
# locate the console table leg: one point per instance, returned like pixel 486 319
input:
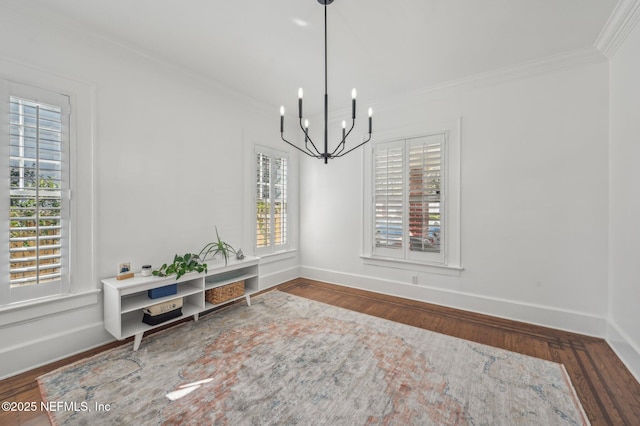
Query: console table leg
pixel 248 297
pixel 136 341
pixel 195 316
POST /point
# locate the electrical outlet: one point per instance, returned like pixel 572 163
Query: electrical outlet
pixel 414 279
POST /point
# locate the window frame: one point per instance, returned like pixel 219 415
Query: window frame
pixel 272 247
pixel 83 290
pixel 450 261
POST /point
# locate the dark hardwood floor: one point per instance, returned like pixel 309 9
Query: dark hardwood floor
pixel 609 394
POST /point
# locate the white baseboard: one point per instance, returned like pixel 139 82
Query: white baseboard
pixel 623 346
pixel 36 353
pixel 576 322
pixel 272 280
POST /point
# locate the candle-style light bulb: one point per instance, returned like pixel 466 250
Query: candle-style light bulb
pixel 353 104
pixel 344 129
pixel 370 118
pixel 282 119
pixel 300 102
pixel 300 93
pixel 306 130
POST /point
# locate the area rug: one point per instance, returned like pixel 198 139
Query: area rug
pixel 287 360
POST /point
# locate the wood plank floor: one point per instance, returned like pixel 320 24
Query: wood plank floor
pixel 609 393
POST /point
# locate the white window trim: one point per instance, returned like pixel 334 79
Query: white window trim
pixel 451 264
pixel 429 268
pixel 83 278
pixel 27 311
pixel 278 256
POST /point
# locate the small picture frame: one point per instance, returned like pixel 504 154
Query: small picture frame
pixel 124 271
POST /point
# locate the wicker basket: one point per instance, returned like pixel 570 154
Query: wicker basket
pixel 223 293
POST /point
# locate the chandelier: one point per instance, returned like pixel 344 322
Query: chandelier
pixel 310 148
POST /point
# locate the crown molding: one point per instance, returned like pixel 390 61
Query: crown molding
pixel 621 22
pixel 549 64
pixel 561 61
pixel 109 46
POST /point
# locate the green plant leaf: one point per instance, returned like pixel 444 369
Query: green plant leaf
pixel 181 265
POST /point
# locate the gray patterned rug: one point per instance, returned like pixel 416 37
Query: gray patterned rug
pixel 290 360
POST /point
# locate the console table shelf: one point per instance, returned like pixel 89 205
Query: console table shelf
pixel 212 282
pixel 138 301
pixel 124 300
pixel 133 325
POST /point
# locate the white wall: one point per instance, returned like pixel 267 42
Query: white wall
pixel 169 165
pixel 624 203
pixel 534 201
pixel 172 159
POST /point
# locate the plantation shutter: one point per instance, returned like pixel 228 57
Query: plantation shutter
pixel 263 206
pixel 408 198
pixel 280 201
pixel 425 189
pixel 38 240
pixel 271 201
pixel 388 198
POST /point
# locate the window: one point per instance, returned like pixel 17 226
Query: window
pixel 412 185
pixel 36 200
pixel 408 181
pixel 271 201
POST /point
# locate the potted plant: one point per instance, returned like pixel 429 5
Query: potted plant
pixel 219 246
pixel 181 265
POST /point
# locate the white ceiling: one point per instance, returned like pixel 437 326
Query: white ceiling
pixel 381 47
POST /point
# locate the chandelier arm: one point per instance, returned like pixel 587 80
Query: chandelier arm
pixel 338 149
pixel 355 147
pixel 298 148
pixel 342 145
pixel 307 138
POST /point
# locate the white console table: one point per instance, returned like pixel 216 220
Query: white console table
pixel 124 300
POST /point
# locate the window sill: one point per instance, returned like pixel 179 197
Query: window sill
pixel 19 312
pixel 431 268
pixel 277 256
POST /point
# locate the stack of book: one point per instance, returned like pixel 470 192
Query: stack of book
pixel 161 312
